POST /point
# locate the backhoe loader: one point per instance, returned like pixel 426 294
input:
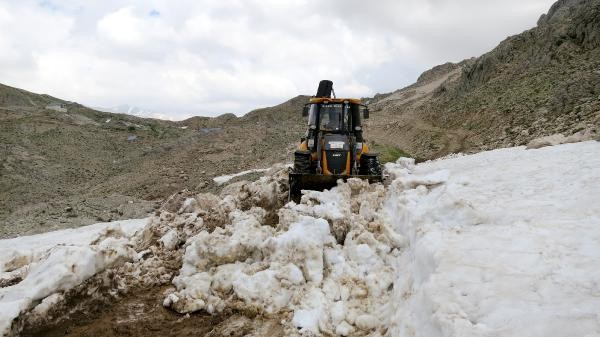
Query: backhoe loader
pixel 333 147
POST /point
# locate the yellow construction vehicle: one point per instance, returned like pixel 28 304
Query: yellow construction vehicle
pixel 333 147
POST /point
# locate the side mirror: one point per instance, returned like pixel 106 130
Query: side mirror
pixel 366 113
pixel 305 111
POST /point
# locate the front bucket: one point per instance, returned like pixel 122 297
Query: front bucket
pixel 320 182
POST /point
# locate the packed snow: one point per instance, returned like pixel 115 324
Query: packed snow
pixel 500 243
pixel 508 245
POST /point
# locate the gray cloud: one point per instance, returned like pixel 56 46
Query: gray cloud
pixel 210 57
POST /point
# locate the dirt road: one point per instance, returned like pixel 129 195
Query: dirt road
pixel 140 313
pixel 453 141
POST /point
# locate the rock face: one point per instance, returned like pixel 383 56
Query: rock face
pixel 436 72
pixel 561 139
pixel 568 32
pixel 543 81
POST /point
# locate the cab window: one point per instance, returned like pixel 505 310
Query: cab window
pixel 333 117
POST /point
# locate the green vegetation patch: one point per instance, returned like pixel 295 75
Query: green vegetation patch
pixel 389 153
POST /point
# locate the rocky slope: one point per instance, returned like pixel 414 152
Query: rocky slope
pixel 64 165
pixel 545 80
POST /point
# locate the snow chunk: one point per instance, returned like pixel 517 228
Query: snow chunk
pixel 170 240
pixel 303 245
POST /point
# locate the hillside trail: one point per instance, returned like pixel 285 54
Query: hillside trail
pixel 407 105
pixel 34 104
pixel 453 140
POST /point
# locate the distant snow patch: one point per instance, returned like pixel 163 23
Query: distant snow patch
pixel 220 180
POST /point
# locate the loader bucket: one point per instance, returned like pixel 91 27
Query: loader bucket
pixel 320 182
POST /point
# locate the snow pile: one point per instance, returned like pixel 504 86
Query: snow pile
pixel 505 244
pixel 38 267
pixel 296 267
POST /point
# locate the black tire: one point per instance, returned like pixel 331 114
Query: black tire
pixel 369 164
pixel 295 192
pixel 302 161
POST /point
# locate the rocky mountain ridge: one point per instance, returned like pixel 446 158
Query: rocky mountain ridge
pixel 63 164
pixel 542 81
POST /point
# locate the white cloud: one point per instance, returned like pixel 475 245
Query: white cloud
pixel 123 28
pixel 210 57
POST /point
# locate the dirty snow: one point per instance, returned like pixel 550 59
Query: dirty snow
pixel 559 138
pixel 297 266
pixel 43 265
pixel 500 243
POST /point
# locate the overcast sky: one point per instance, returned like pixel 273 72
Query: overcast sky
pixel 185 58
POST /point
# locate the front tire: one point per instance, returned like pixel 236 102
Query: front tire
pixel 302 161
pixel 369 164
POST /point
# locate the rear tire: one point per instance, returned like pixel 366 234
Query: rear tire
pixel 302 161
pixel 369 164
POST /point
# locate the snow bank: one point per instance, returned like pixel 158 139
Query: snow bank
pixel 507 245
pixel 35 267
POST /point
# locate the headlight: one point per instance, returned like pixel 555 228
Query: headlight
pixel 357 128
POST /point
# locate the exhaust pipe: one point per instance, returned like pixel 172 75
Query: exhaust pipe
pixel 325 89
